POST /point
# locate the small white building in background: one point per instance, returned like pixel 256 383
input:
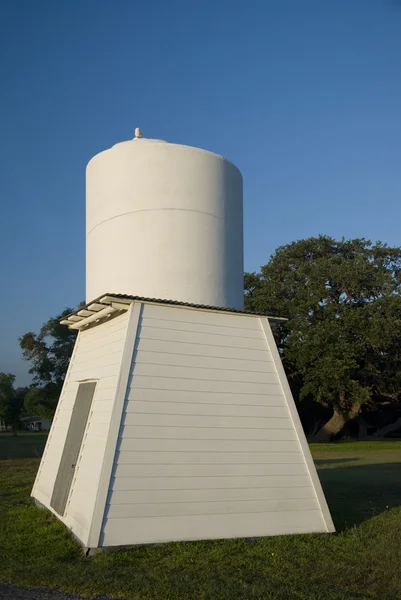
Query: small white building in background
pixel 35 423
pixel 176 421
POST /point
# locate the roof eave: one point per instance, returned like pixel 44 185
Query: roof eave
pixel 108 304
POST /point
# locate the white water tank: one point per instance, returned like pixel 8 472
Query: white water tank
pixel 164 221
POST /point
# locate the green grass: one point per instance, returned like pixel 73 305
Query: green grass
pixel 23 445
pixel 360 479
pixel 362 482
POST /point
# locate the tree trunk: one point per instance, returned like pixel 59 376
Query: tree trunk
pixel 335 424
pixel 383 431
pixel 314 429
pixel 363 427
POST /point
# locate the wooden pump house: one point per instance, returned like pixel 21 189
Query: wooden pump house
pixel 176 420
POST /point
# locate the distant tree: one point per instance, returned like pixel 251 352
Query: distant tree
pixel 49 352
pixel 343 337
pixel 11 401
pixel 42 401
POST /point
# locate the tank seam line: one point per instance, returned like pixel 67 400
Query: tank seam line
pixel 201 212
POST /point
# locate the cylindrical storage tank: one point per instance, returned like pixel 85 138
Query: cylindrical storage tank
pixel 164 221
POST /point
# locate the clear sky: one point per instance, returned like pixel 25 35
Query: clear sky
pixel 303 95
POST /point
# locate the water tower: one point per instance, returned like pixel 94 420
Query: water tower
pixel 164 221
pixel 176 421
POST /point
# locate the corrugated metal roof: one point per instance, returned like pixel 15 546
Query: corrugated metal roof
pixel 189 305
pixel 107 299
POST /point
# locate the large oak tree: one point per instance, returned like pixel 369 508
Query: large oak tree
pixel 343 337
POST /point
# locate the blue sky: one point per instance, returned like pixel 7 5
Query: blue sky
pixel 304 96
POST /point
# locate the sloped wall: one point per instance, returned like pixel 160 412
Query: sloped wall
pixel 97 355
pixel 208 446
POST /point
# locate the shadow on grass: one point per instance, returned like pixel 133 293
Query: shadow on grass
pixel 23 445
pixel 327 461
pixel 357 493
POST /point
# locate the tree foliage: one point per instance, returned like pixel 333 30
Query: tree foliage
pixel 341 345
pixel 343 337
pixel 11 400
pixel 49 352
pixel 42 401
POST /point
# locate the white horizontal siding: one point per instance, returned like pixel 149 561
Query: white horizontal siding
pixel 108 382
pixel 54 448
pixel 202 339
pixel 216 494
pixel 190 397
pixel 148 357
pixel 206 434
pixel 212 470
pixel 103 392
pixel 105 341
pixel 108 328
pixel 203 385
pixel 206 421
pixel 195 483
pixel 180 509
pixel 97 356
pixel 195 409
pixel 183 445
pixel 194 527
pixel 100 406
pixel 97 371
pixel 215 330
pixel 188 315
pixel 207 447
pixel 207 457
pixel 206 374
pixel 202 350
pixel 96 429
pixel 99 417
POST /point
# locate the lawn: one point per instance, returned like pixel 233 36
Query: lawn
pixel 362 481
pixel 24 445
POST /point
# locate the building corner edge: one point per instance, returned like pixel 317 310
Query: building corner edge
pixel 134 314
pixel 330 528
